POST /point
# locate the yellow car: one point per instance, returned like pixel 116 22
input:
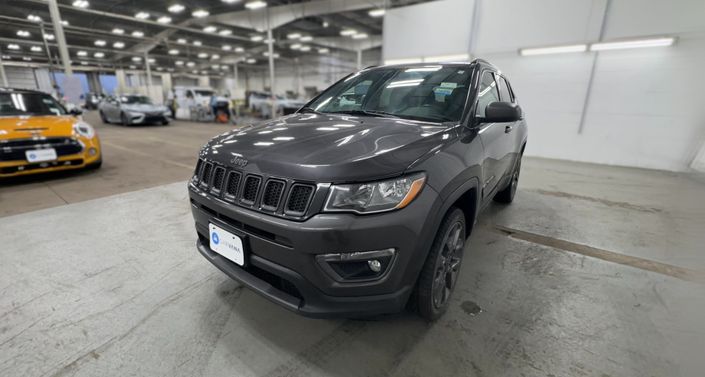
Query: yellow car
pixel 38 135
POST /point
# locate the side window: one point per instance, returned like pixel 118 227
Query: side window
pixel 488 93
pixel 504 92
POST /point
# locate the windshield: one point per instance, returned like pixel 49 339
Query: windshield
pixel 431 93
pixel 29 104
pixel 136 100
pixel 204 93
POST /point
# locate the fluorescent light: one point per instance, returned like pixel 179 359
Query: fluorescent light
pixel 215 56
pixel 34 18
pixel 173 52
pixel 164 19
pixel 227 47
pixel 255 4
pixel 202 55
pixel 293 36
pixel 81 53
pixel 98 55
pixel 376 13
pixel 151 60
pixel 118 31
pixel 251 61
pixel 230 1
pixel 305 48
pixel 200 13
pixel 190 64
pixel 552 50
pixel 348 32
pixel 133 67
pixel 64 22
pixel 256 38
pixel 275 55
pixel 428 68
pixel 635 43
pixel 325 24
pixel 181 41
pixel 210 29
pixel 359 36
pixel 403 61
pixel 118 45
pixel 142 15
pixel 49 37
pixel 225 32
pixel 137 34
pixel 36 48
pixel 447 58
pixel 13 46
pixel 23 33
pixel 306 38
pixel 100 43
pixel 197 43
pixel 323 50
pixel 176 8
pixel 401 83
pixel 239 49
pixel 136 59
pixel 179 62
pixel 27 58
pixel 80 4
pixel 295 46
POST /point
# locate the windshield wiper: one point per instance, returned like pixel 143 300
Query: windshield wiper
pixel 308 110
pixel 373 113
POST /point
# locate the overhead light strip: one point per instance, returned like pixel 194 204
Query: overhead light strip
pixel 600 46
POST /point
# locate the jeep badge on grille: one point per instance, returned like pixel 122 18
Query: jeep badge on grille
pixel 239 161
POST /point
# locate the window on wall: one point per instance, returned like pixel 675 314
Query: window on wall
pixel 504 92
pixel 488 93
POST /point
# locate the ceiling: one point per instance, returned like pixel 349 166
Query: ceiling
pixel 109 33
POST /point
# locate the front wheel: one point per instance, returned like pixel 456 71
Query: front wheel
pixel 442 267
pixel 123 119
pixel 103 118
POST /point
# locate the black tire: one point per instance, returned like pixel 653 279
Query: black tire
pixel 442 267
pixel 165 122
pixel 103 118
pixel 506 196
pixel 123 119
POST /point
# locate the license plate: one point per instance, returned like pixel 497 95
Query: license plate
pixel 226 244
pixel 41 155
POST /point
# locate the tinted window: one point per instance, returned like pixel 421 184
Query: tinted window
pixel 135 100
pixel 14 103
pixel 432 93
pixel 504 91
pixel 488 93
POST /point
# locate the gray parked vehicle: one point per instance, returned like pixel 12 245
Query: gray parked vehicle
pixel 363 199
pixel 132 109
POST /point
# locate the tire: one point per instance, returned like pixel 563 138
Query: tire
pixel 442 267
pixel 165 122
pixel 103 118
pixel 506 196
pixel 123 119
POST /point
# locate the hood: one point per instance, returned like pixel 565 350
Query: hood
pixel 144 108
pixel 328 147
pixel 21 127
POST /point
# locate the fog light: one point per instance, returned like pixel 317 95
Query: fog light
pixel 92 151
pixel 375 265
pixel 363 265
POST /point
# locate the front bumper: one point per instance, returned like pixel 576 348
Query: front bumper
pixel 280 254
pixel 144 118
pixel 91 154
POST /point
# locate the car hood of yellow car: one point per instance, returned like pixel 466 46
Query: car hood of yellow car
pixel 21 127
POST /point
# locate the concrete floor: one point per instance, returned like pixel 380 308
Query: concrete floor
pixel 593 271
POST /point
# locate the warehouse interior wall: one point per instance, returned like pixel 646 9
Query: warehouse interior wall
pixel 645 108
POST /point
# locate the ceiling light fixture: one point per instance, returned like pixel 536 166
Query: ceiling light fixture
pixel 118 45
pixel 13 46
pixel 239 49
pixel 634 43
pixel 210 29
pixel 306 38
pixel 190 64
pixel 64 23
pixel 179 62
pixel 227 47
pixel 197 43
pixel 164 19
pixel 142 15
pixel 49 37
pixel 136 59
pixel 36 48
pixel 34 18
pixel 151 60
pixel 230 1
pixel 225 32
pixel 255 5
pixel 82 53
pixel 553 50
pixel 181 41
pixel 100 43
pixel 176 8
pixel 215 56
pixel 325 24
pixel 23 33
pixel 80 4
pixel 202 55
pixel 359 36
pixel 376 12
pixel 251 61
pixel 200 13
pixel 256 38
pixel 137 34
pixel 348 32
pixel 295 46
pixel 293 36
pixel 323 50
pixel 173 52
pixel 305 48
pixel 27 58
pixel 99 55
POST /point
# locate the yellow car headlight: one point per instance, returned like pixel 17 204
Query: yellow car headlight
pixel 84 129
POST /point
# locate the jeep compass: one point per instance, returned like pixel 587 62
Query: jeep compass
pixel 362 200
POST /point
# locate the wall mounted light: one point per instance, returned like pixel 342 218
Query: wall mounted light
pixel 633 43
pixel 553 50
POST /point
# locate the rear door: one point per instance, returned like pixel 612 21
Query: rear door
pixel 495 137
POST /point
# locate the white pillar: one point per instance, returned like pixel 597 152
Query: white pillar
pixel 149 73
pixel 60 37
pixel 3 76
pixel 359 58
pixel 270 48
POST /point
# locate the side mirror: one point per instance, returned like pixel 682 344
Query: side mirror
pixel 500 112
pixel 75 111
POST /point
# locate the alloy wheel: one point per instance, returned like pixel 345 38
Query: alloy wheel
pixel 448 264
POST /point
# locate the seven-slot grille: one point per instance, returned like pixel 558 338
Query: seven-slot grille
pixel 253 190
pixel 12 150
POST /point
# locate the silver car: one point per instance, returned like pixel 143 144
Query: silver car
pixel 132 109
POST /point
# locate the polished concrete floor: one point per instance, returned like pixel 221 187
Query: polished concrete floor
pixel 593 271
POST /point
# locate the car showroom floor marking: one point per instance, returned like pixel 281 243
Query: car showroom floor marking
pixel 190 167
pixel 606 255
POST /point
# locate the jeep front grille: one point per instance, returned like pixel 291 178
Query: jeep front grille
pixel 271 195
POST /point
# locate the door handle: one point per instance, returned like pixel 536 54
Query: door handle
pixel 508 129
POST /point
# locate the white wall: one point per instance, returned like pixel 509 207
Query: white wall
pixel 645 109
pixel 20 77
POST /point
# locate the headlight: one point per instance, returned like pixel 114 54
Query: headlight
pixel 84 129
pixel 375 196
